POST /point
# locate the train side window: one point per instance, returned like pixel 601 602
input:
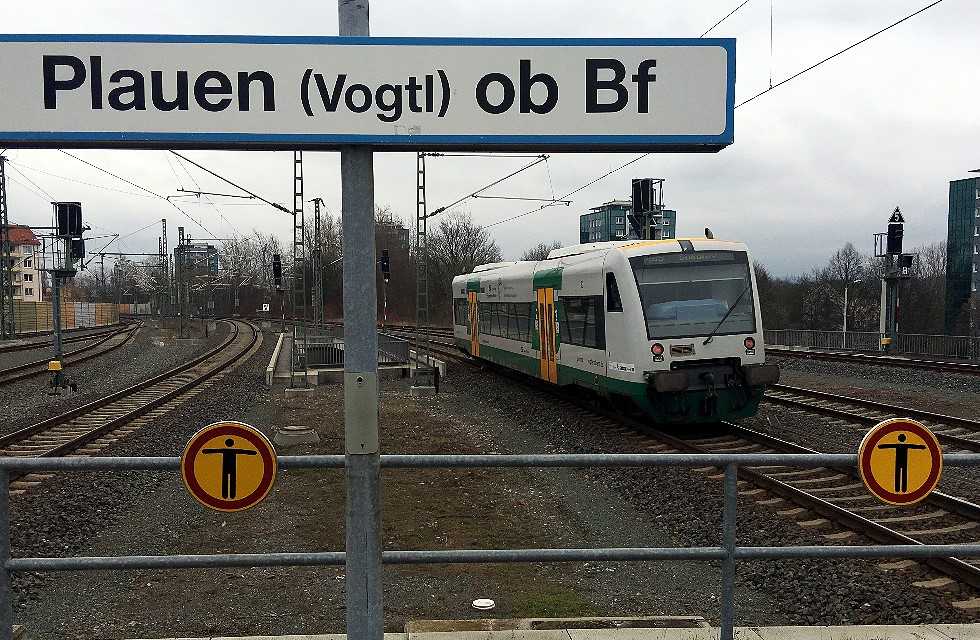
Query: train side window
pixel 613 301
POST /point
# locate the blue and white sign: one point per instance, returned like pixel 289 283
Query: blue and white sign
pixel 394 93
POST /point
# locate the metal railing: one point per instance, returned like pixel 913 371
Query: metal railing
pixel 327 349
pixel 965 347
pixel 728 552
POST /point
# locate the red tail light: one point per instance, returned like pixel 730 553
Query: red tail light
pixel 749 342
pixel 657 349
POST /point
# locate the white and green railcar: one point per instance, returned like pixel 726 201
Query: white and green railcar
pixel 670 328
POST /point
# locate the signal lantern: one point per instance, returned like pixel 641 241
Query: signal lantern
pixel 385 267
pixel 276 266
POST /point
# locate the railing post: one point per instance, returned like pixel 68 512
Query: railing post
pixel 728 542
pixel 6 585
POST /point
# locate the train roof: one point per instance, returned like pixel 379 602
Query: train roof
pixel 630 247
pixel 642 246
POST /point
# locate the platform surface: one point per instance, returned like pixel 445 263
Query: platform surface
pixel 874 632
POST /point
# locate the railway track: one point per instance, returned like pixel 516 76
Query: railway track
pixel 947 366
pixel 86 430
pixel 954 433
pixel 104 342
pixel 67 337
pixel 833 503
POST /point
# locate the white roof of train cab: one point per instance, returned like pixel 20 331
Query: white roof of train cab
pixel 629 247
pixel 643 247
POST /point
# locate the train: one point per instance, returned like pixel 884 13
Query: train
pixel 670 329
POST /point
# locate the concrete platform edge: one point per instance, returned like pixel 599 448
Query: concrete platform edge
pixel 869 632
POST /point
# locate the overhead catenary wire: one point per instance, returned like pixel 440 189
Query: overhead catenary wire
pixel 258 197
pixel 771 87
pixel 34 184
pixel 571 193
pixel 725 18
pixel 539 159
pixel 184 213
pixel 87 184
pixel 845 49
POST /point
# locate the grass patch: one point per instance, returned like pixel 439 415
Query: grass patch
pixel 553 602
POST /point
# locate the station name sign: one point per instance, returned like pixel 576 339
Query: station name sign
pixel 139 91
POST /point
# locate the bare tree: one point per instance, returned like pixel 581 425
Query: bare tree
pixel 456 246
pixel 540 251
pixel 846 264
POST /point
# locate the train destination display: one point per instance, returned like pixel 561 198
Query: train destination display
pixel 409 93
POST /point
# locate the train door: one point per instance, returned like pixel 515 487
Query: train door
pixel 474 324
pixel 546 333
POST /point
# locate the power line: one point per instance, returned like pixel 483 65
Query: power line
pixel 87 184
pixel 638 158
pixel 541 158
pixel 273 204
pixel 725 18
pixel 797 75
pixel 570 193
pixel 132 184
pixel 36 185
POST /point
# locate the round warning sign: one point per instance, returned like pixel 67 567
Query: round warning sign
pixel 229 466
pixel 900 461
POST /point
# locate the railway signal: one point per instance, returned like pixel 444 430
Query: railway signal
pixel 898 266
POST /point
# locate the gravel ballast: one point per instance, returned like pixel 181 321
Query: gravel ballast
pixel 140 513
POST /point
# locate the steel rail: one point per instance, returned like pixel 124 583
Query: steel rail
pixel 949 366
pixel 41 344
pixel 39 367
pixel 117 422
pixel 898 412
pixel 9 438
pixel 952 567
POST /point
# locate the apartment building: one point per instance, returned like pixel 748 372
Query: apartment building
pixel 25 256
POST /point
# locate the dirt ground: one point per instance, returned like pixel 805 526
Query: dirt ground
pixel 422 509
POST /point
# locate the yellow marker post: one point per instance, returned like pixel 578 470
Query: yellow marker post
pixel 900 461
pixel 229 466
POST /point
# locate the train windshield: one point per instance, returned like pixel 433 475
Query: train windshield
pixel 692 294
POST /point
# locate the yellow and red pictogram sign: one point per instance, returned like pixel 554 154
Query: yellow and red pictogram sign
pixel 900 461
pixel 229 466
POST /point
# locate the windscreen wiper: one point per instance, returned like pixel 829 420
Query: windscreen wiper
pixel 728 313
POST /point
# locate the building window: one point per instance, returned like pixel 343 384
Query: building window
pixel 27 249
pixel 619 220
pixel 28 277
pixel 28 263
pixel 29 291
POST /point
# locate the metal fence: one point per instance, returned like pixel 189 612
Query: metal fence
pixel 965 347
pixel 728 553
pixel 326 349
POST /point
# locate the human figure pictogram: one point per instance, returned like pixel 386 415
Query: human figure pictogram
pixel 901 462
pixel 229 466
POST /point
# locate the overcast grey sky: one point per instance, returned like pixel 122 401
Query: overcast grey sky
pixel 816 163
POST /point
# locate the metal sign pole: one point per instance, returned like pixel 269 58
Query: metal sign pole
pixel 365 619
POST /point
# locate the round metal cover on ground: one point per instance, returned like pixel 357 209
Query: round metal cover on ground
pixel 229 466
pixel 484 604
pixel 900 461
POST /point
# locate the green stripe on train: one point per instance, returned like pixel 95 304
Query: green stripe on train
pixel 672 408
